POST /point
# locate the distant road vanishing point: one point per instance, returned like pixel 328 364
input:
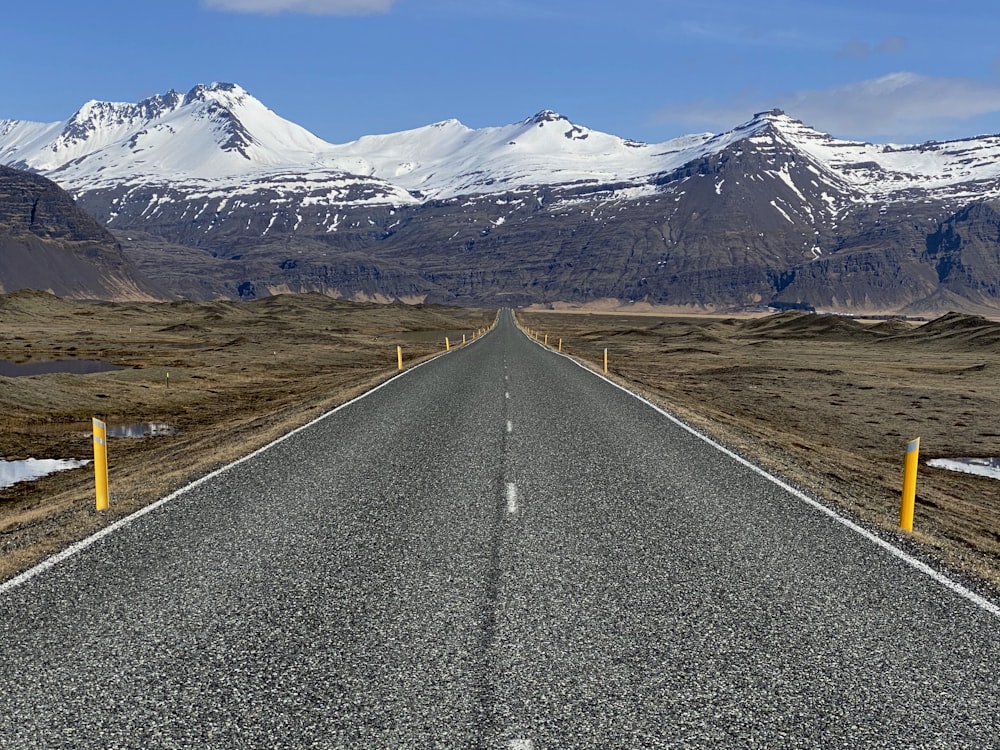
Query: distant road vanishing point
pixel 497 549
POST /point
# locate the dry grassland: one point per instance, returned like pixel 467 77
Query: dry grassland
pixel 230 377
pixel 829 404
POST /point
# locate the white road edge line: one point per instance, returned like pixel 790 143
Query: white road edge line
pixel 892 549
pixel 51 562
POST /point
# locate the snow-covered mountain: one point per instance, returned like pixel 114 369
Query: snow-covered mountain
pixel 770 211
pixel 448 159
pixel 221 134
pixel 212 131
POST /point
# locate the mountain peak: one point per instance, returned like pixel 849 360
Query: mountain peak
pixel 546 115
pixel 771 119
pixel 222 93
pixel 777 122
pixel 769 114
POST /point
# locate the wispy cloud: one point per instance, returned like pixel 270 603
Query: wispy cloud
pixel 310 7
pixel 858 49
pixel 717 32
pixel 892 45
pixel 855 49
pixel 898 105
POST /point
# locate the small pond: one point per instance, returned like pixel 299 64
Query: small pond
pixel 984 467
pixel 141 430
pixel 12 472
pixel 10 369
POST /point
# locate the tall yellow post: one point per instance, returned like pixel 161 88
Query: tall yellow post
pixel 101 463
pixel 463 338
pixel 447 344
pixel 560 344
pixel 546 339
pixel 605 361
pixel 399 357
pixel 909 485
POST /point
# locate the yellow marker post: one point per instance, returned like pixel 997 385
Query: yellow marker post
pixel 546 339
pixel 560 344
pixel 447 344
pixel 101 463
pixel 399 357
pixel 463 338
pixel 909 485
pixel 605 361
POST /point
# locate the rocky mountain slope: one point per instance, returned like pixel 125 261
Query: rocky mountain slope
pixel 212 194
pixel 48 243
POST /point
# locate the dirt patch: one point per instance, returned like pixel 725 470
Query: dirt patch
pixel 229 377
pixel 829 404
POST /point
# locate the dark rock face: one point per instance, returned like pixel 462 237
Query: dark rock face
pixel 33 205
pixel 48 243
pixel 965 251
pixel 756 223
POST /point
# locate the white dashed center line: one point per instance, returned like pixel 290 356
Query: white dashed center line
pixel 510 426
pixel 511 497
pixel 521 745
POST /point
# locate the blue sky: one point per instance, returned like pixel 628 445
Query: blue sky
pixel 881 70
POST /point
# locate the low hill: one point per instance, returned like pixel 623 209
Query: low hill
pixel 50 244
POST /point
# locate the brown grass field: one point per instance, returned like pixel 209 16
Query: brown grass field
pixel 829 404
pixel 826 403
pixel 230 377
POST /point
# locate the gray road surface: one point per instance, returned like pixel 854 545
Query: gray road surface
pixel 495 550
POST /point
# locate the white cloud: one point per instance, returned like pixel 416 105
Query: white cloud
pixel 311 7
pixel 899 105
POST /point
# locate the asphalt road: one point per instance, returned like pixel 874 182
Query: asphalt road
pixel 496 550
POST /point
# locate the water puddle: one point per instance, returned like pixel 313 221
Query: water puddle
pixel 12 472
pixel 80 429
pixel 10 369
pixel 984 467
pixel 141 430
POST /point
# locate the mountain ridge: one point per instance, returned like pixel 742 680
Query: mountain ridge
pixel 542 210
pixel 106 140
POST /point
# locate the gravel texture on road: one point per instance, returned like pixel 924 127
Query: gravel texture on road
pixel 497 549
